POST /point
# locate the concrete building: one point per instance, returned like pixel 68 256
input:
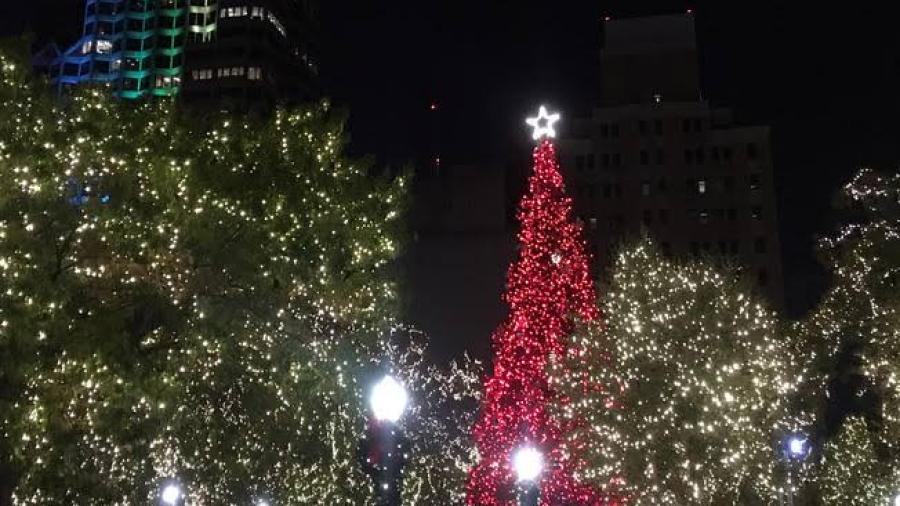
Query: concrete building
pixel 656 158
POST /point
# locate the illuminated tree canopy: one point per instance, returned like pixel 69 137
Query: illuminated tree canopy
pixel 195 301
pixel 697 380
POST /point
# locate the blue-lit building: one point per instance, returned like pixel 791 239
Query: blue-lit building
pixel 240 51
pixel 136 46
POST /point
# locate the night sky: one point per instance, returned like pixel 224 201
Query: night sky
pixel 827 80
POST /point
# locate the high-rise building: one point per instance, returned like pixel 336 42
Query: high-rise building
pixel 656 158
pixel 137 46
pixel 245 50
pixel 249 52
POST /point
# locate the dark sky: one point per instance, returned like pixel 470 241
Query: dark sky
pixel 827 80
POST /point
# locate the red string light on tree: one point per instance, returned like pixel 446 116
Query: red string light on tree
pixel 548 286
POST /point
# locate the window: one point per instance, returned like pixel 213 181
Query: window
pixel 645 157
pixel 658 127
pixel 86 47
pixel 752 152
pixel 714 154
pixel 663 186
pixel 614 130
pixel 607 190
pixel 591 159
pixel 754 182
pixel 726 153
pixel 579 160
pixel 701 186
pixel 732 214
pixel 642 127
pixel 104 46
pixel 699 155
pixel 703 216
pixel 759 245
pixel 756 213
pixel 688 156
pixel 605 159
pixel 645 188
pixel 593 223
pixel 660 156
pixel 690 185
pixel 257 12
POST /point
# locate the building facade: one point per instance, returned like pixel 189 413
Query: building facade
pixel 248 52
pixel 655 158
pixel 243 49
pixel 135 46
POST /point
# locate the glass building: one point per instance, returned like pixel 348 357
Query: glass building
pixel 136 46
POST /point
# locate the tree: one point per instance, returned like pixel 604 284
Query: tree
pixel 854 470
pixel 697 383
pixel 185 302
pixel 855 332
pixel 549 285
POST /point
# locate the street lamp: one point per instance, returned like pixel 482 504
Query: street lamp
pixel 388 400
pixel 796 448
pixel 171 495
pixel 528 463
pixel 383 451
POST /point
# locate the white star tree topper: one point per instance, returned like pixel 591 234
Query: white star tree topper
pixel 543 124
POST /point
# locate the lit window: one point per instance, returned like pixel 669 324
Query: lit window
pixel 254 73
pixel 257 12
pixel 104 46
pixel 701 186
pixel 195 75
pixel 86 47
pixel 645 188
pixel 704 216
pixel 756 212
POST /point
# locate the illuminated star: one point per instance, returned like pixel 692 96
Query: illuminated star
pixel 543 124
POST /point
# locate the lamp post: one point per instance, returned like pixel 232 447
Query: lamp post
pixel 383 450
pixel 528 463
pixel 171 495
pixel 796 448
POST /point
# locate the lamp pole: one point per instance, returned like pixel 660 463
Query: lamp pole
pixel 383 450
pixel 528 464
pixel 796 448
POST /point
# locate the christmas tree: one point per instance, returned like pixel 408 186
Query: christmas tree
pixel 703 378
pixel 549 286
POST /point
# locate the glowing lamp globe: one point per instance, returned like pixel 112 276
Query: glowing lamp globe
pixel 528 464
pixel 897 499
pixel 388 400
pixel 171 494
pixel 797 446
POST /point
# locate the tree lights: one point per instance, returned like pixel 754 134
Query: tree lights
pixel 701 379
pixel 861 311
pixel 212 318
pixel 543 297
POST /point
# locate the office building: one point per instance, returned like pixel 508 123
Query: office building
pixel 242 50
pixel 656 158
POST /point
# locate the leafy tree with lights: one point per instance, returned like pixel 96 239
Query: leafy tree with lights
pixel 855 335
pixel 549 286
pixel 189 303
pixel 702 380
